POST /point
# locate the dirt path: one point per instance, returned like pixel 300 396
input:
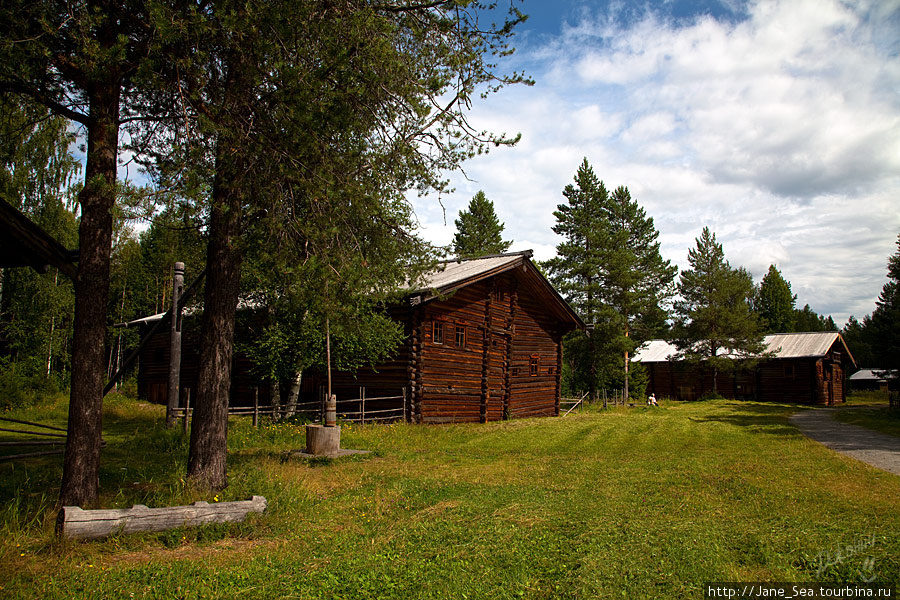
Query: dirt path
pixel 877 449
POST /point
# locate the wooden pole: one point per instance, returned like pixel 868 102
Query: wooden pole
pixel 175 345
pixel 256 407
pixel 362 397
pixel 187 409
pixel 330 400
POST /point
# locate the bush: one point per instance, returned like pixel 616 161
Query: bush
pixel 20 389
pixel 711 396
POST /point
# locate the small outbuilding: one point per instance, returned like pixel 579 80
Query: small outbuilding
pixel 871 380
pixel 807 368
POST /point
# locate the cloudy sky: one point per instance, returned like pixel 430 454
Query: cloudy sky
pixel 775 123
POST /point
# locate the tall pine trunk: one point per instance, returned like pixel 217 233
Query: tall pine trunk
pixel 81 465
pixel 207 456
pixel 206 462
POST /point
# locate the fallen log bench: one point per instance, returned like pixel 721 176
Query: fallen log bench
pixel 77 524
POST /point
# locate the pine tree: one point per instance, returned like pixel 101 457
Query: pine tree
pixel 478 230
pixel 610 268
pixel 635 281
pixel 885 321
pixel 713 320
pixel 774 302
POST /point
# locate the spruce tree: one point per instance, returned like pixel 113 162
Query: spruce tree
pixel 714 324
pixel 774 302
pixel 478 230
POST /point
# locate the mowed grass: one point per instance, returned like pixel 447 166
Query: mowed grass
pixel 623 503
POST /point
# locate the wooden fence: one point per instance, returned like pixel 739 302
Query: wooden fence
pixel 55 439
pixel 352 410
pixel 571 404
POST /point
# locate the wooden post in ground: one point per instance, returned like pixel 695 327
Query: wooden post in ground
pixel 175 345
pixel 404 403
pixel 187 408
pixel 256 407
pixel 362 398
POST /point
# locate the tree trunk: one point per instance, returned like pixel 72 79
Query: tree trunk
pixel 206 461
pixel 81 465
pixel 294 393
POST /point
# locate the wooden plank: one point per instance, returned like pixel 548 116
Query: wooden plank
pixel 75 523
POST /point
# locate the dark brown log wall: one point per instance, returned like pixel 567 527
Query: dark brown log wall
pixel 452 374
pixel 535 363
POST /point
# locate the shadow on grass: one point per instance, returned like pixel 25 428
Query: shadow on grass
pixel 771 419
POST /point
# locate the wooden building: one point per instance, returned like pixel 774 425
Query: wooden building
pixel 483 343
pixel 807 368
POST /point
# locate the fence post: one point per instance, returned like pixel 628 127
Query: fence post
pixel 403 389
pixel 256 407
pixel 187 408
pixel 362 397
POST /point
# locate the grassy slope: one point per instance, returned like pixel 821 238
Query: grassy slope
pixel 623 503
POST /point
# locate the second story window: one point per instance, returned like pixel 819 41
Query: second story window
pixel 534 365
pixel 438 333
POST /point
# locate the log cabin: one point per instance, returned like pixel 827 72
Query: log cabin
pixel 483 342
pixel 806 368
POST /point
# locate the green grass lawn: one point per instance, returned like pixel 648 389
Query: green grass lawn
pixel 623 503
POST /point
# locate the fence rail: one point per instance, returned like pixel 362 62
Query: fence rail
pixel 315 409
pixel 572 403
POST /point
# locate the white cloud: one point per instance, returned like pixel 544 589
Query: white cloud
pixel 781 132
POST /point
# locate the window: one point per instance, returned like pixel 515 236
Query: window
pixel 438 334
pixel 789 371
pixel 460 336
pixel 535 364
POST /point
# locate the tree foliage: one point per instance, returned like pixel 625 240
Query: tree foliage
pixel 774 302
pixel 806 319
pixel 610 268
pixel 714 323
pixel 36 174
pixel 478 230
pixel 300 128
pixel 885 322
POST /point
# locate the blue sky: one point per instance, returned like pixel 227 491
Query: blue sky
pixel 775 123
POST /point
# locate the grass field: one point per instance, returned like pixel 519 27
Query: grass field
pixel 623 503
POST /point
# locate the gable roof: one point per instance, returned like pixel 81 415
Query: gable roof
pixel 782 345
pixel 455 274
pixel 881 375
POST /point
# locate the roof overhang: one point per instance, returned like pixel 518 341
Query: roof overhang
pixel 26 244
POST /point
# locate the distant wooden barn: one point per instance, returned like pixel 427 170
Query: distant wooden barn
pixel 483 343
pixel 808 368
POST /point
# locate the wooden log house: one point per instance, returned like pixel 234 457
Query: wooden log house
pixel 807 368
pixel 483 343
